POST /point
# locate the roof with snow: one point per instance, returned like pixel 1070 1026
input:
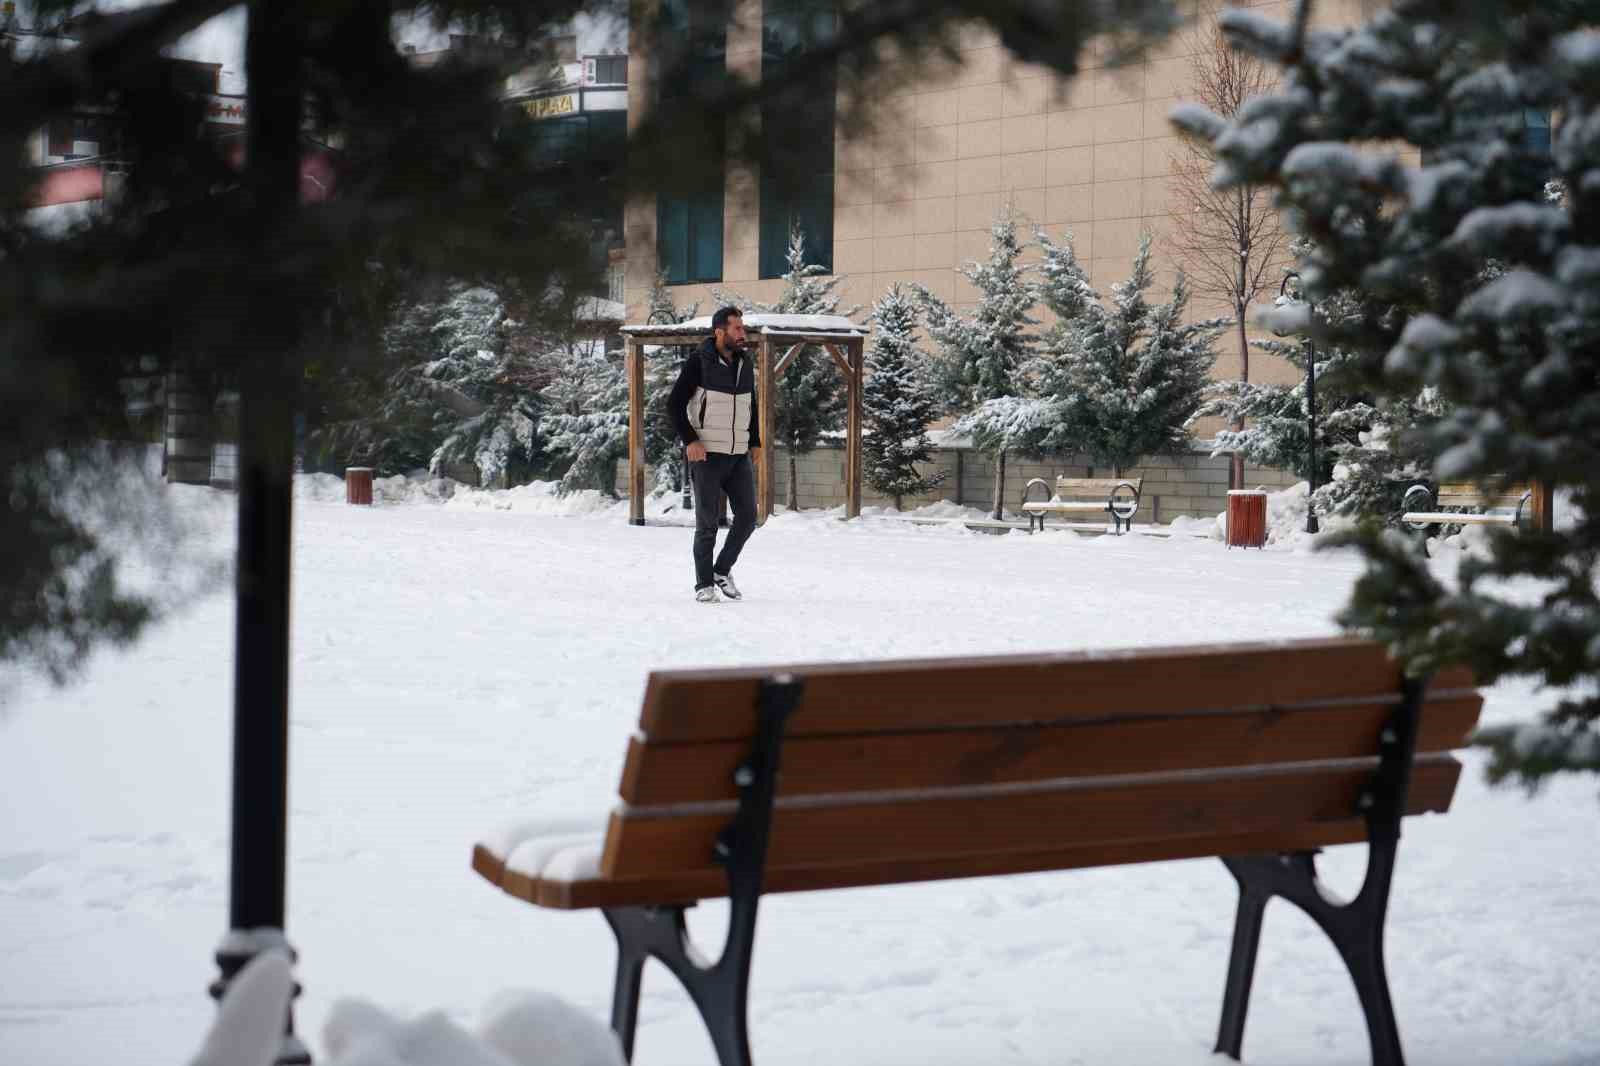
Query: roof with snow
pixel 804 327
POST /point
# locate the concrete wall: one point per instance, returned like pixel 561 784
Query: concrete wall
pixel 1194 485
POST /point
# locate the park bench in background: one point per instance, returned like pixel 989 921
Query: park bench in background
pixel 1116 496
pixel 740 782
pixel 1508 504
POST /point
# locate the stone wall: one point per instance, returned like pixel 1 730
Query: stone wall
pixel 1194 485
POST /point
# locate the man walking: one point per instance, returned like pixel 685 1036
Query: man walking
pixel 714 412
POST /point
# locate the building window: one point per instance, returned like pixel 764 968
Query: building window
pixel 610 70
pixel 689 222
pixel 797 175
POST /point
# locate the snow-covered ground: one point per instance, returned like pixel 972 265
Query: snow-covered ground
pixel 460 664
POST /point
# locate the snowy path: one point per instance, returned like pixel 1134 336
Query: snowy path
pixel 457 668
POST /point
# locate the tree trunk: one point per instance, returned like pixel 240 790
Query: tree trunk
pixel 1236 467
pixel 999 483
pixel 794 483
pixel 897 499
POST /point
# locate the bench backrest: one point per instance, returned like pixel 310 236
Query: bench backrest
pixel 1468 494
pixel 912 770
pixel 1096 488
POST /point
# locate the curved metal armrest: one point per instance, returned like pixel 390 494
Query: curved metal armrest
pixel 1526 496
pixel 1415 493
pixel 1040 482
pixel 1124 508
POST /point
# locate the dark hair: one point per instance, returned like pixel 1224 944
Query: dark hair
pixel 720 319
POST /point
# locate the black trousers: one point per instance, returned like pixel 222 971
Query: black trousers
pixel 718 475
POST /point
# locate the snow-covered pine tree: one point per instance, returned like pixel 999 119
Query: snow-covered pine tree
pixel 1034 424
pixel 984 355
pixel 898 402
pixel 451 398
pixel 662 449
pixel 587 420
pixel 1129 378
pixel 811 391
pixel 1276 429
pixel 1512 358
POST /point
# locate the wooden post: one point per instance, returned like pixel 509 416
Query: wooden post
pixel 852 472
pixel 1543 505
pixel 766 422
pixel 634 364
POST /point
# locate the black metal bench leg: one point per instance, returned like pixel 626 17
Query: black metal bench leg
pixel 1241 970
pixel 625 993
pixel 1355 928
pixel 720 990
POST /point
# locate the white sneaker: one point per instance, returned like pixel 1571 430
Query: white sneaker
pixel 729 589
pixel 707 595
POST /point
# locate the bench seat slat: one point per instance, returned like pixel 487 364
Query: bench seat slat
pixel 1093 486
pixel 1458 518
pixel 866 827
pixel 812 765
pixel 911 694
pixel 581 893
pixel 1431 791
pixel 1064 505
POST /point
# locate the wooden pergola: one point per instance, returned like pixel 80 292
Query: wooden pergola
pixel 777 339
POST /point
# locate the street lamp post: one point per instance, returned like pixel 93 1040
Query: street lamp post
pixel 1311 407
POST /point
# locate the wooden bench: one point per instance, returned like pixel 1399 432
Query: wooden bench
pixel 1116 496
pixel 1507 504
pixel 906 771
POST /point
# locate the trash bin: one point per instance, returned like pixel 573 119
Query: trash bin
pixel 1247 518
pixel 358 484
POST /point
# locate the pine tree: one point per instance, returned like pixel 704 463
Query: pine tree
pixel 897 403
pixel 1510 359
pixel 1127 380
pixel 811 393
pixel 588 419
pixel 451 398
pixel 984 355
pixel 1276 430
pixel 662 449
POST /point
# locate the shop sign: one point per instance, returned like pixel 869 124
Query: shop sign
pixel 225 110
pixel 551 106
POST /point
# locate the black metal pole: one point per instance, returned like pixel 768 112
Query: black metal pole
pixel 268 377
pixel 1311 405
pixel 1311 418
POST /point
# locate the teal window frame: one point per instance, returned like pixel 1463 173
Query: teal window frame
pixel 689 224
pixel 802 194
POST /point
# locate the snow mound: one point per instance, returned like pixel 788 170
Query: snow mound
pixel 518 1029
pixel 1286 521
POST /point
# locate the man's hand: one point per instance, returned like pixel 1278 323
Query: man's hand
pixel 755 453
pixel 696 451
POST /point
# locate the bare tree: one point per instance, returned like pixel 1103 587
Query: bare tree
pixel 1230 241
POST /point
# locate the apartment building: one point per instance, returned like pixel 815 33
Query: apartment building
pixel 1091 156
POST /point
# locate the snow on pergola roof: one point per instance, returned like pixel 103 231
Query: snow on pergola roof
pixel 822 327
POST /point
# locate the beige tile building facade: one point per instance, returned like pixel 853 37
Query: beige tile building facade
pixel 1091 156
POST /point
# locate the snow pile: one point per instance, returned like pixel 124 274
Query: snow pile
pixel 538 497
pixel 518 1029
pixel 1286 521
pixel 1187 526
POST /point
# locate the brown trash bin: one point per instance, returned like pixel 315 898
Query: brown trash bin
pixel 1247 518
pixel 358 484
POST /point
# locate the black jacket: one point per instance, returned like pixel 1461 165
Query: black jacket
pixel 714 402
